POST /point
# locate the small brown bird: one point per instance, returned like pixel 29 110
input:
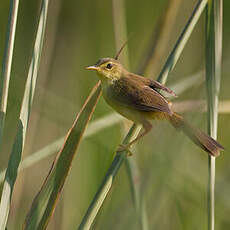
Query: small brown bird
pixel 136 98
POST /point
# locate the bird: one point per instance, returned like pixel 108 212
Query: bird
pixel 140 100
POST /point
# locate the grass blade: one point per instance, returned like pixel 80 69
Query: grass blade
pixel 213 73
pixel 107 182
pixel 7 62
pixel 55 146
pixel 182 40
pixel 15 157
pixel 46 200
pixel 138 198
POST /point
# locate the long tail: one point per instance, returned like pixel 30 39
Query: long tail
pixel 197 136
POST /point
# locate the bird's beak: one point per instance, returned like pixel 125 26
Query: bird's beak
pixel 92 67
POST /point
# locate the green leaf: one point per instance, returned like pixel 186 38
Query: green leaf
pixel 45 201
pixel 7 62
pixel 182 41
pixel 15 156
pixel 107 182
pixel 214 24
pixel 53 147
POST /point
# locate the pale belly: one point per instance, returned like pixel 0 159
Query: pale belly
pixel 129 113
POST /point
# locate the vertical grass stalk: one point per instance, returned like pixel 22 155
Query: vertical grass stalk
pixel 137 194
pixel 7 61
pixel 15 157
pixel 214 23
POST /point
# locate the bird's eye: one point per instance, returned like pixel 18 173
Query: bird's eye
pixel 109 66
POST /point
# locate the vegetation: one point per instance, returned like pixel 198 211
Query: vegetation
pixel 164 184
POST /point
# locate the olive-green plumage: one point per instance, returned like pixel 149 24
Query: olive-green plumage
pixel 136 98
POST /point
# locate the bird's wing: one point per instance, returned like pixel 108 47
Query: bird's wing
pixel 138 96
pixel 157 85
pixel 148 99
pixel 153 84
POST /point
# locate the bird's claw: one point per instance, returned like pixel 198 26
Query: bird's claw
pixel 122 148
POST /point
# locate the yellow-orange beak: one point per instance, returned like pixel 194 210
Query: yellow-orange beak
pixel 92 67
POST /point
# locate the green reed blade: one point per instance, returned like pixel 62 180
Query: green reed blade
pixel 46 200
pixel 214 23
pixel 15 157
pixel 182 40
pixel 7 62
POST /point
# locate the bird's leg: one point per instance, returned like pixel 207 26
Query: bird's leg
pixel 147 127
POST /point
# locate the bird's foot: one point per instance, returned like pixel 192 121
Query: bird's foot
pixel 122 148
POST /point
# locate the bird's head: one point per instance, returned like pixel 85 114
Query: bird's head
pixel 108 69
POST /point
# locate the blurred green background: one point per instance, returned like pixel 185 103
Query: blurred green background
pixel 173 172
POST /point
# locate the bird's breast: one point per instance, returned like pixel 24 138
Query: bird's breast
pixel 113 97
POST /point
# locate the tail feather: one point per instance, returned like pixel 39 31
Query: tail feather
pixel 197 136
